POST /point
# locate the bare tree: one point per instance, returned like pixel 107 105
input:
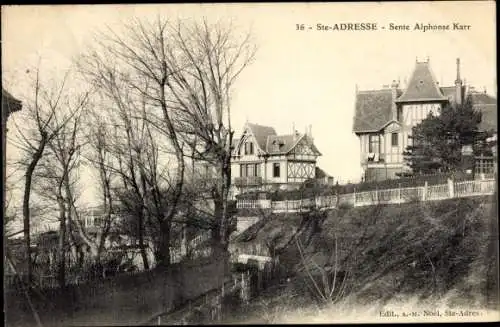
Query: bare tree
pixel 205 63
pixel 185 73
pixel 99 156
pixel 59 173
pixel 45 116
pixel 137 154
pixel 139 63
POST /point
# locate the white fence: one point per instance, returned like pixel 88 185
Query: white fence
pixel 389 196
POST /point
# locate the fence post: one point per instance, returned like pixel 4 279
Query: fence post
pixel 354 198
pixel 481 188
pixel 376 195
pixel 399 193
pixel 451 188
pixel 424 193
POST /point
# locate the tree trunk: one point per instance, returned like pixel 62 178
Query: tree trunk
pixel 93 246
pixel 26 206
pixel 222 213
pixel 163 252
pixel 142 248
pixel 61 264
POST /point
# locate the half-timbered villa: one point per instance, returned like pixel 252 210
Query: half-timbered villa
pixel 384 119
pixel 262 159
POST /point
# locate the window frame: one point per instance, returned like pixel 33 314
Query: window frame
pixel 276 168
pixel 250 170
pixel 370 142
pixel 395 144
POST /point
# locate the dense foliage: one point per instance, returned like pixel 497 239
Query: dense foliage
pixel 438 140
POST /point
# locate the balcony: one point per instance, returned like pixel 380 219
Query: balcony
pixel 248 181
pixel 374 158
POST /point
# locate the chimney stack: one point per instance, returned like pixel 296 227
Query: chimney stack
pixel 394 106
pixel 458 85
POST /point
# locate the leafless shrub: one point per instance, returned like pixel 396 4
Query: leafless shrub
pixel 333 284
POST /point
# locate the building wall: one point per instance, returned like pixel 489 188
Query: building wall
pixel 413 114
pixel 393 153
pixel 266 167
pixel 409 116
pixel 381 173
pixel 281 160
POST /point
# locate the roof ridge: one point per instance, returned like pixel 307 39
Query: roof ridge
pixel 376 90
pixel 260 125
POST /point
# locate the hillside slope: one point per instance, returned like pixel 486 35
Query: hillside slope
pixel 442 252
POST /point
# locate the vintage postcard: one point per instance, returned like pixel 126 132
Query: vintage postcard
pixel 250 163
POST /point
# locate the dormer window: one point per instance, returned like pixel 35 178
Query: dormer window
pixel 278 145
pixel 248 148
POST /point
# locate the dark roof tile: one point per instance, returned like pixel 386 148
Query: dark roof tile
pixel 373 110
pixel 488 107
pixel 261 133
pixel 272 143
pixel 281 143
pixel 9 102
pixel 422 85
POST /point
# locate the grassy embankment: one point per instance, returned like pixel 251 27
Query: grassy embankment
pixel 352 263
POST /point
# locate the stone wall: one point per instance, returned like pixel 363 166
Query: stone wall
pixel 122 300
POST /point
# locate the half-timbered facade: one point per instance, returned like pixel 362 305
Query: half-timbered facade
pixel 261 158
pixel 384 118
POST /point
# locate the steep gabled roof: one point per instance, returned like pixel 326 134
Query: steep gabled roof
pixel 9 102
pixel 288 142
pixel 261 133
pixel 320 173
pixel 310 142
pixel 267 140
pixel 422 86
pixel 488 107
pixel 285 143
pixel 373 110
pixel 481 101
pixel 449 92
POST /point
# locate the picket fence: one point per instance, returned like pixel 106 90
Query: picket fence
pixel 388 196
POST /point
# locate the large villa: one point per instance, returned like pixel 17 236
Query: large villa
pixel 384 118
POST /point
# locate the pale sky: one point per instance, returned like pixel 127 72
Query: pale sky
pixel 298 77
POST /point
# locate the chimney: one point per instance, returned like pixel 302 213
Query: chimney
pixel 309 133
pixel 296 135
pixel 458 85
pixel 394 106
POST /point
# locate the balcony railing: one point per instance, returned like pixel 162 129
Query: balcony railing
pixel 248 181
